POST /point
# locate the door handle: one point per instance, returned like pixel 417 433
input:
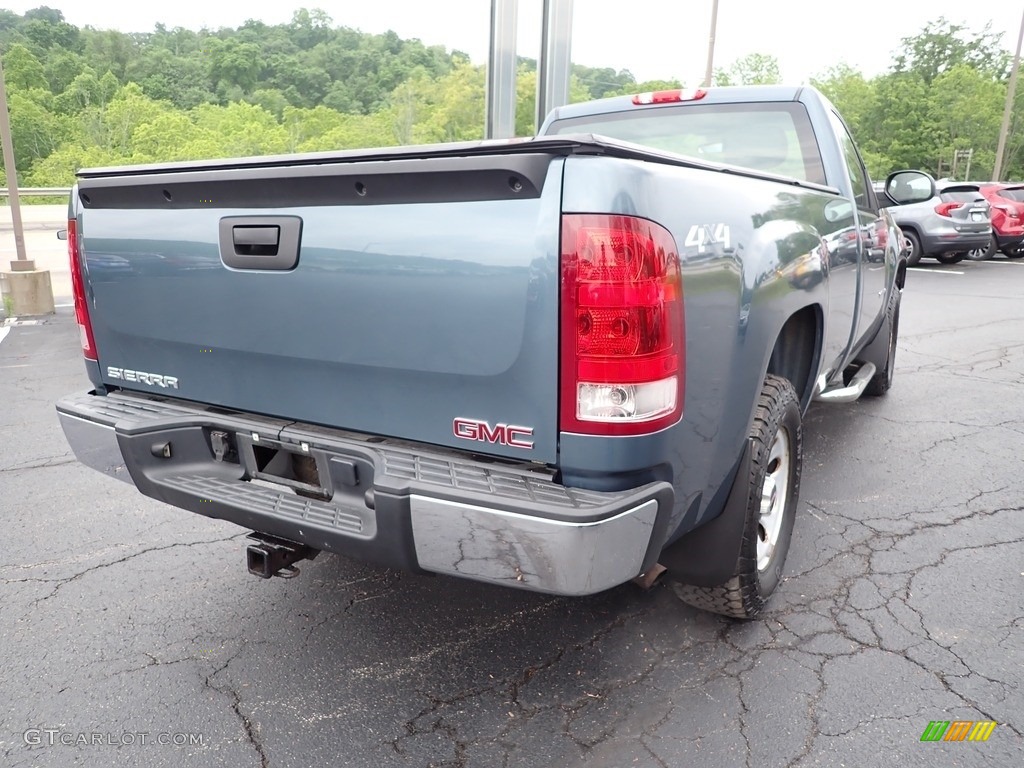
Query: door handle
pixel 260 242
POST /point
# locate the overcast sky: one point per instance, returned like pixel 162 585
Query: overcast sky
pixel 651 38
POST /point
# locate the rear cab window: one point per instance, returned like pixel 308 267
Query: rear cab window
pixel 775 137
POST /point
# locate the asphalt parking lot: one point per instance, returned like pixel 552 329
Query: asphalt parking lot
pixel 130 633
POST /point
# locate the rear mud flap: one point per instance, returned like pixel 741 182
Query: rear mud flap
pixel 706 557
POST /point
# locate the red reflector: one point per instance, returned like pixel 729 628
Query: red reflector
pixel 622 335
pixel 78 291
pixel 943 209
pixel 669 97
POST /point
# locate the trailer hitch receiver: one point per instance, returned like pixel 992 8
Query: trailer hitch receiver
pixel 269 556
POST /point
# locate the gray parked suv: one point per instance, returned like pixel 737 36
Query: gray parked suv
pixel 942 220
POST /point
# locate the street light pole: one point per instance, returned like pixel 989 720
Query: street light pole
pixel 711 44
pixel 997 171
pixel 12 176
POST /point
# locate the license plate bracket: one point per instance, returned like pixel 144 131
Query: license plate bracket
pixel 296 466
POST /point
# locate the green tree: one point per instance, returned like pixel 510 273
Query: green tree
pixel 305 125
pixel 355 132
pixel 110 50
pixel 966 109
pixel 164 136
pixel 59 167
pixel 856 99
pixel 35 130
pixel 46 28
pixel 409 105
pixel 458 113
pixel 129 109
pixel 243 129
pixel 234 64
pixel 180 79
pixel 270 99
pixel 647 86
pixel 604 81
pixel 752 69
pixel 22 69
pixel 526 99
pixel 308 28
pixel 61 68
pixel 83 92
pixel 901 124
pixel 941 45
pixel 302 84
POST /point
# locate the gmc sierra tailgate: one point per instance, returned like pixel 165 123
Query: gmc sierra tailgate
pixel 413 296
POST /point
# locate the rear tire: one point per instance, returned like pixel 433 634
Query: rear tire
pixel 914 255
pixel 1013 253
pixel 774 486
pixel 949 258
pixel 982 254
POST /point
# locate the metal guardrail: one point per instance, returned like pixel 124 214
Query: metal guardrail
pixel 39 191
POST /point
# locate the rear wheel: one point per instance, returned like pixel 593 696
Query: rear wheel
pixel 949 258
pixel 773 487
pixel 914 248
pixel 982 254
pixel 1013 252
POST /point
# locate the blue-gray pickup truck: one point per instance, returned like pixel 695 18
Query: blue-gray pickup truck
pixel 558 364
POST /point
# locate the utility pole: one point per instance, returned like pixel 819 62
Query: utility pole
pixel 12 176
pixel 708 71
pixel 26 290
pixel 997 171
pixel 501 70
pixel 554 68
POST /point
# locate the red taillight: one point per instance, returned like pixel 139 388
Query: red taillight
pixel 943 209
pixel 78 290
pixel 669 97
pixel 623 342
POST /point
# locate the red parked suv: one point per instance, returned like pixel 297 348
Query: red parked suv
pixel 1007 202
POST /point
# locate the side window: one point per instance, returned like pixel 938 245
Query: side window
pixel 858 178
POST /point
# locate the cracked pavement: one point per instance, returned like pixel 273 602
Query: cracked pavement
pixel 903 603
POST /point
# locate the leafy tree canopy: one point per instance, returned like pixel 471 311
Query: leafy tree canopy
pixel 81 97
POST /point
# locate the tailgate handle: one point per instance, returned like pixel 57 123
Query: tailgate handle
pixel 254 240
pixel 260 242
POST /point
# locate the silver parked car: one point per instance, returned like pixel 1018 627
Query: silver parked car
pixel 943 220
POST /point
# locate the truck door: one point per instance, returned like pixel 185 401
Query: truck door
pixel 871 238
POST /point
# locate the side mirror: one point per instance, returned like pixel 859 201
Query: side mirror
pixel 62 234
pixel 904 187
pixel 837 210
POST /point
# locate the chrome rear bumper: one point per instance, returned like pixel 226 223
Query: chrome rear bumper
pixel 406 506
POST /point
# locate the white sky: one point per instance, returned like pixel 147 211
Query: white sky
pixel 651 38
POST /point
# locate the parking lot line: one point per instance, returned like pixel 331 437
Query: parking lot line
pixel 4 330
pixel 1003 263
pixel 934 271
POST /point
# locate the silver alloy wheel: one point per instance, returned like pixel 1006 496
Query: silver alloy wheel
pixel 774 497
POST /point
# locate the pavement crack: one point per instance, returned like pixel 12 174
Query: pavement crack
pixel 57 461
pixel 251 730
pixel 62 582
pixel 651 753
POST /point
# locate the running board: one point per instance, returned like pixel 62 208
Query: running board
pixel 851 391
